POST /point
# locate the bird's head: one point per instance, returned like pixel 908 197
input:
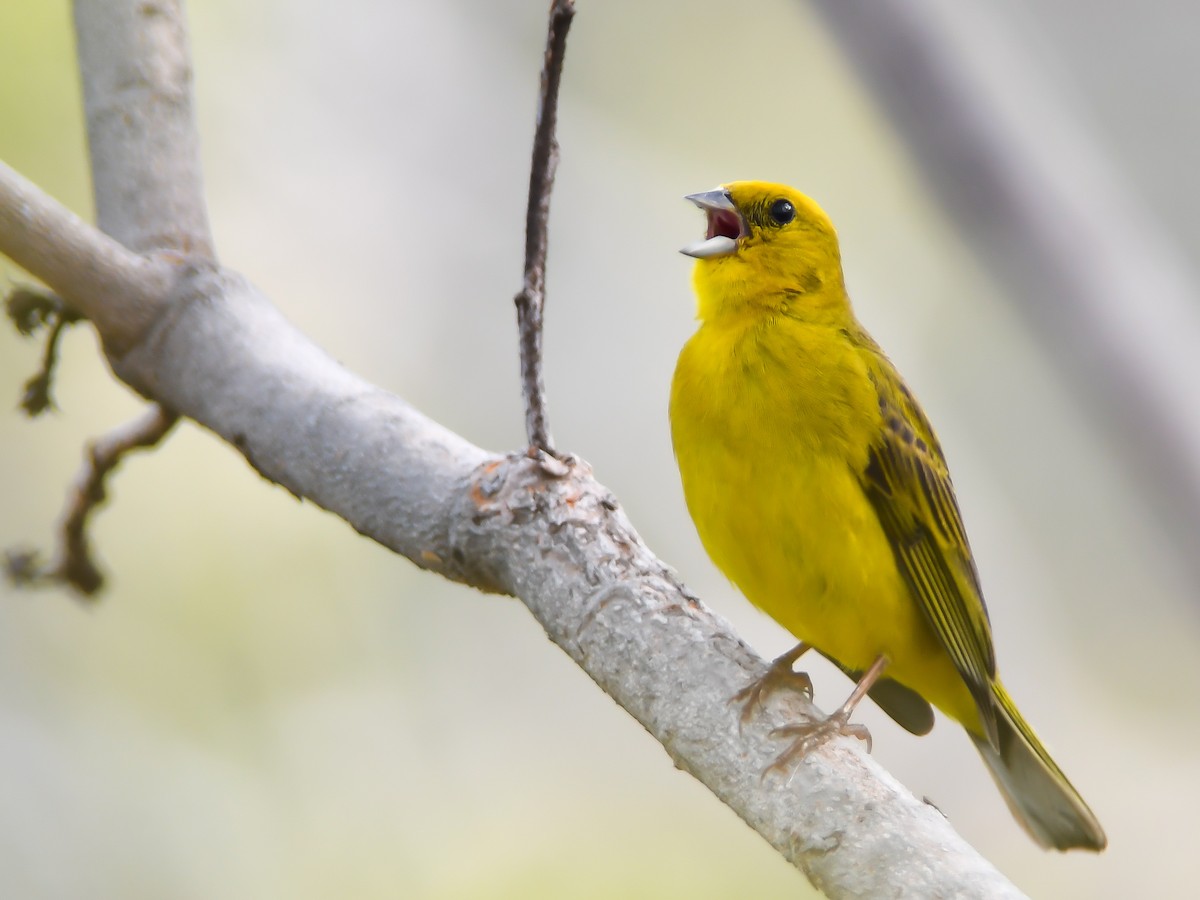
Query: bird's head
pixel 767 247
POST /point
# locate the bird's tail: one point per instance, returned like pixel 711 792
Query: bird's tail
pixel 1036 790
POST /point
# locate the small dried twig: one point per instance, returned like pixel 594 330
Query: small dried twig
pixel 74 565
pixel 30 310
pixel 532 298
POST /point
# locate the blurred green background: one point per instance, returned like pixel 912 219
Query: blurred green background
pixel 265 704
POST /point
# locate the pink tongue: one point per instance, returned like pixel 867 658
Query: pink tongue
pixel 723 223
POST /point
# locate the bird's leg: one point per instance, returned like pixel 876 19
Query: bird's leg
pixel 779 675
pixel 811 735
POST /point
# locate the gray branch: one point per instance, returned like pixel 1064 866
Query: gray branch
pixel 137 93
pixel 85 267
pixel 216 350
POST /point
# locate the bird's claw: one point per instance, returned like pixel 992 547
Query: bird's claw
pixel 754 694
pixel 779 676
pixel 808 736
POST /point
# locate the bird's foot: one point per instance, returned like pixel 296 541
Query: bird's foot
pixel 811 735
pixel 780 676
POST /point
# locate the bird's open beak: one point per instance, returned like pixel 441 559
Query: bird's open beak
pixel 724 225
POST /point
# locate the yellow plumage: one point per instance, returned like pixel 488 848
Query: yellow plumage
pixel 818 487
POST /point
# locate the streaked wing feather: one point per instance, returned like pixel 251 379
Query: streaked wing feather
pixel 909 486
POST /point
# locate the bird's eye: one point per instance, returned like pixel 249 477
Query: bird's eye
pixel 782 211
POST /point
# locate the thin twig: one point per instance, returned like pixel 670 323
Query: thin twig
pixel 37 397
pixel 532 298
pixel 29 310
pixel 73 564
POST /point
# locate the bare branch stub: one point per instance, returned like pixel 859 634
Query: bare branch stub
pixel 531 299
pixel 74 565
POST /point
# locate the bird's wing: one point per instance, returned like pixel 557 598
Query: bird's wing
pixel 909 486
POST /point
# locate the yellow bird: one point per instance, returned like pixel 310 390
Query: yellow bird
pixel 818 487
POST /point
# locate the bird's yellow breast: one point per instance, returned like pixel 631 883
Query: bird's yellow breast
pixel 771 421
pixel 818 486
